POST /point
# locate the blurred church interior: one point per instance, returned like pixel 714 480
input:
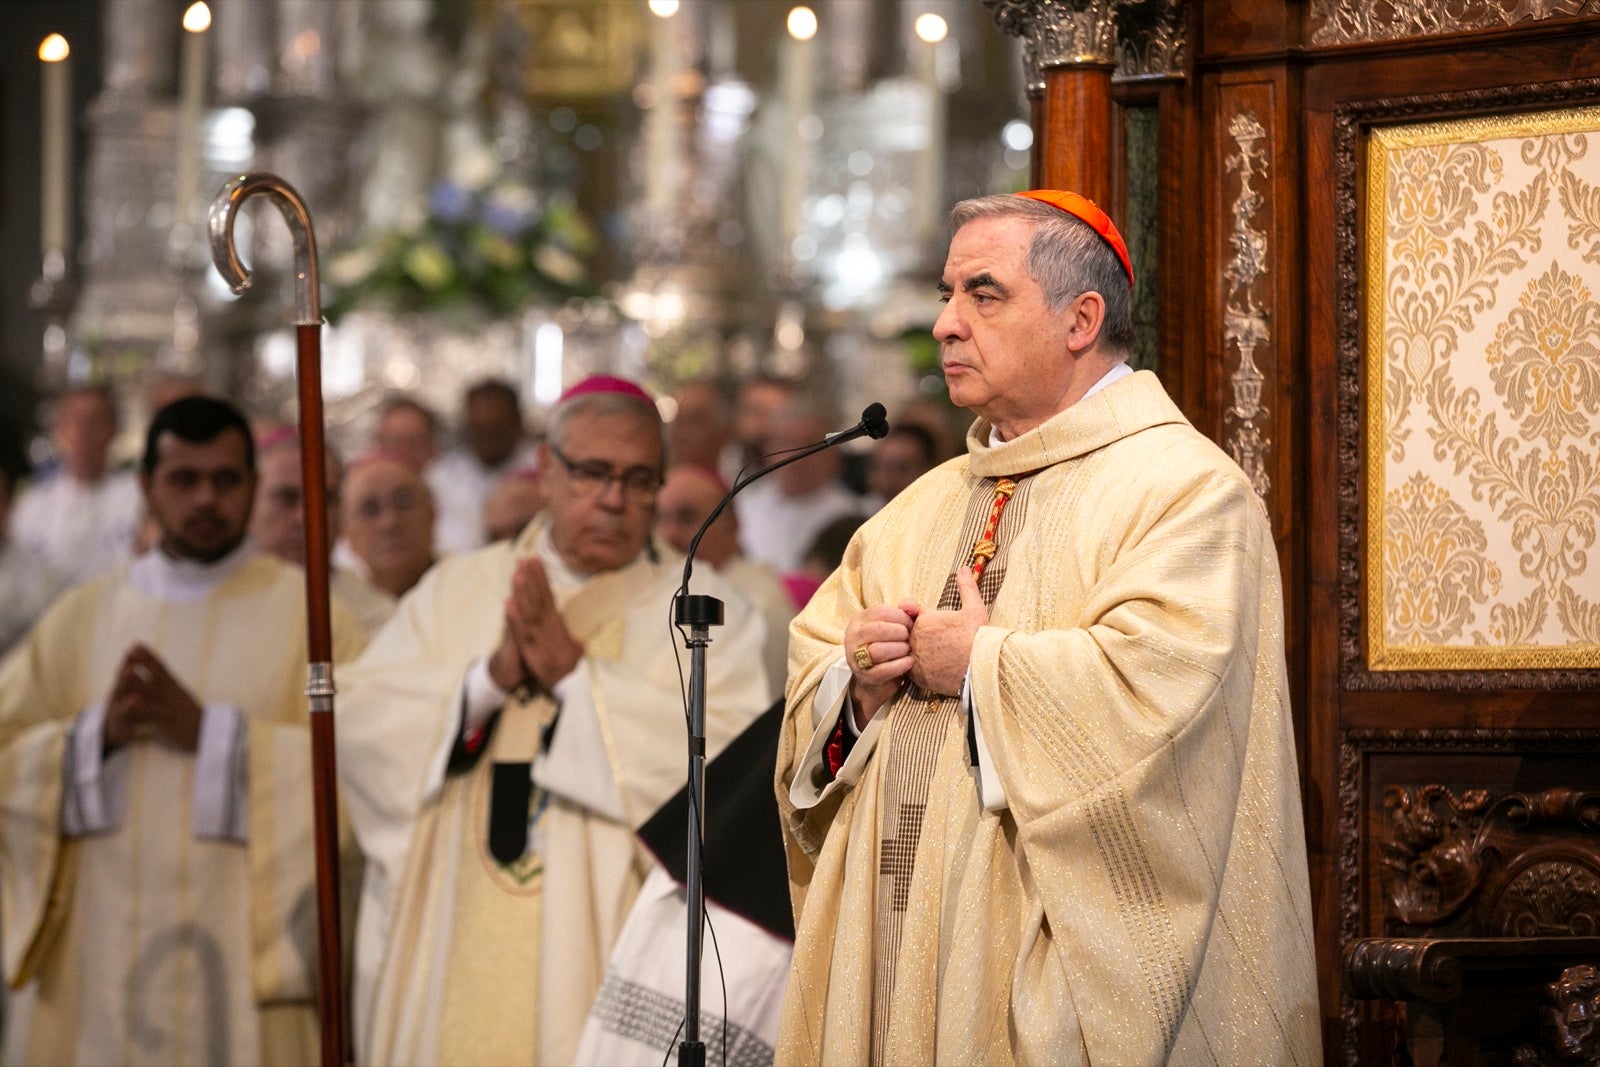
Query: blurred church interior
pixel 1367 238
pixel 536 189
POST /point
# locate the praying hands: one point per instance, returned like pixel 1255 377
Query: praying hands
pixel 535 647
pixel 148 704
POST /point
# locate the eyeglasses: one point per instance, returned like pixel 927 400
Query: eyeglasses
pixel 594 477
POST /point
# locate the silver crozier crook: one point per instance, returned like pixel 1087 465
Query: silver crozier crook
pixel 319 635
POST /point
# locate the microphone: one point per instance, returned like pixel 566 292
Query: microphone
pixel 873 424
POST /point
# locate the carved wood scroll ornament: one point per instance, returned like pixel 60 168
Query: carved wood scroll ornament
pixel 1442 849
pixel 1333 22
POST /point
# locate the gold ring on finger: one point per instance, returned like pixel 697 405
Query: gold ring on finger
pixel 863 658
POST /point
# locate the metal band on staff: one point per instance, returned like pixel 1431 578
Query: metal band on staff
pixel 319 633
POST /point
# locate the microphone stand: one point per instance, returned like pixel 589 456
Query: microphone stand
pixel 700 613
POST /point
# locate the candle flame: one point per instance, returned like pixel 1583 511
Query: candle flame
pixel 53 49
pixel 802 23
pixel 932 28
pixel 663 9
pixel 197 19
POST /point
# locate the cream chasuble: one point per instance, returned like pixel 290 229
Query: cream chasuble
pixel 463 959
pixel 1140 895
pixel 148 944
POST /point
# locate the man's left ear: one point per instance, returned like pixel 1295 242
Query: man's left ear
pixel 1085 315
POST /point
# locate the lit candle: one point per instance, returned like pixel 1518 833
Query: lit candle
pixel 799 60
pixel 660 132
pixel 191 102
pixel 55 133
pixel 931 30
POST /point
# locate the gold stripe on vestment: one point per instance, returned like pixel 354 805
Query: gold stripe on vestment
pixel 916 730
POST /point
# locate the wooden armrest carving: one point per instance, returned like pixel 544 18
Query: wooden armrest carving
pixel 1401 968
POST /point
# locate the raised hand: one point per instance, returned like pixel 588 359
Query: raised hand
pixel 148 703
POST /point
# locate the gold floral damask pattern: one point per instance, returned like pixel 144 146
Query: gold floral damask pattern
pixel 1545 360
pixel 1483 409
pixel 1437 561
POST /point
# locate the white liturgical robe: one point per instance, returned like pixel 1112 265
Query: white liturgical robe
pixel 158 905
pixel 467 952
pixel 1103 861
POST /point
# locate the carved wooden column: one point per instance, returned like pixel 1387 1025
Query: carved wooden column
pixel 1071 54
pixel 1075 150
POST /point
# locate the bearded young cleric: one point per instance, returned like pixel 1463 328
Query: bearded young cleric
pixel 1037 777
pixel 156 864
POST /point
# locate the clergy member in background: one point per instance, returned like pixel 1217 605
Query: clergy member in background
pixel 687 497
pixel 701 431
pixel 821 559
pixel 28 581
pixel 1038 774
pixel 82 516
pixel 494 445
pixel 410 430
pixel 503 738
pixel 277 523
pixel 906 454
pixel 387 514
pixel 155 840
pixel 781 514
pixel 512 504
pixel 761 400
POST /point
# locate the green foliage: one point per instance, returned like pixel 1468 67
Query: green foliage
pixel 477 252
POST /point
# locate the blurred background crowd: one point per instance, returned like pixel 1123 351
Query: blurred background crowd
pixel 414 490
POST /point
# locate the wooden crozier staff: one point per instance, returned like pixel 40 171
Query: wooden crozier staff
pixel 319 634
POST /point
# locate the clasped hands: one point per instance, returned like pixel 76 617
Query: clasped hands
pixel 148 703
pixel 885 644
pixel 536 648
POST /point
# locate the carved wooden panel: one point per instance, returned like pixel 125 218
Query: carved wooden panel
pixel 1247 319
pixel 1499 721
pixel 1487 1002
pixel 1570 1022
pixel 1464 834
pixel 1489 862
pixel 1251 335
pixel 1332 22
pixel 1251 341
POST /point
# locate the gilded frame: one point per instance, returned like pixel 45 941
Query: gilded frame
pixel 1356 127
pixel 1383 144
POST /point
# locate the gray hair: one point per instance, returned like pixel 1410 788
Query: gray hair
pixel 591 404
pixel 1067 258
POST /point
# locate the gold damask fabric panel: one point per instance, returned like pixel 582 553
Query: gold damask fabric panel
pixel 1482 274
